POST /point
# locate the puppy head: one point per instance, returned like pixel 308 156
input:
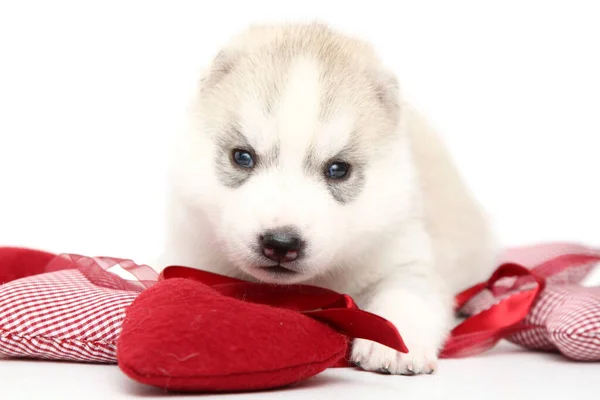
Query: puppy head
pixel 296 152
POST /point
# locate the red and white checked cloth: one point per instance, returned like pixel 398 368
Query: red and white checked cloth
pixel 74 312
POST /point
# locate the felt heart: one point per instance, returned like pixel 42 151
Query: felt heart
pixel 183 335
pixel 200 331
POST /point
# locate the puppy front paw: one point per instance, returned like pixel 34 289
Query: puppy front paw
pixel 423 320
pixel 370 356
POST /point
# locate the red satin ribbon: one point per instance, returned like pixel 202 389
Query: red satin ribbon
pixel 336 310
pixel 482 331
pixel 474 335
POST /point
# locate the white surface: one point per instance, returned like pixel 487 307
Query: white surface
pixel 90 92
pixel 504 373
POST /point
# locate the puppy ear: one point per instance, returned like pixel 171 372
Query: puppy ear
pixel 387 88
pixel 221 65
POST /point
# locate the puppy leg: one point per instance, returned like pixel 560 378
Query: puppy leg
pixel 417 303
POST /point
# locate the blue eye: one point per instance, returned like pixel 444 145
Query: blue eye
pixel 243 158
pixel 337 170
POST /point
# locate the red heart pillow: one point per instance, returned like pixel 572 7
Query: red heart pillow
pixel 199 331
pixel 183 335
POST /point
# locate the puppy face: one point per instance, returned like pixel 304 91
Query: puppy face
pixel 296 157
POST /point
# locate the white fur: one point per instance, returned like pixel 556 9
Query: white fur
pixel 411 239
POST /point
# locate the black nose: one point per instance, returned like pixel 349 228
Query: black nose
pixel 282 244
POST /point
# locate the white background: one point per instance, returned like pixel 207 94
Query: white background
pixel 90 93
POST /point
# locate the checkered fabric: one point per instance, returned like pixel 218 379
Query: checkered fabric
pixel 72 313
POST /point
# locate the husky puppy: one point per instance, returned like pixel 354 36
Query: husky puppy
pixel 301 163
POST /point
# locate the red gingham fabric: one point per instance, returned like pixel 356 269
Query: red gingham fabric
pixel 72 313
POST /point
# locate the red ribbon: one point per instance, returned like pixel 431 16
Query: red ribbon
pixel 484 330
pixel 474 335
pixel 336 310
